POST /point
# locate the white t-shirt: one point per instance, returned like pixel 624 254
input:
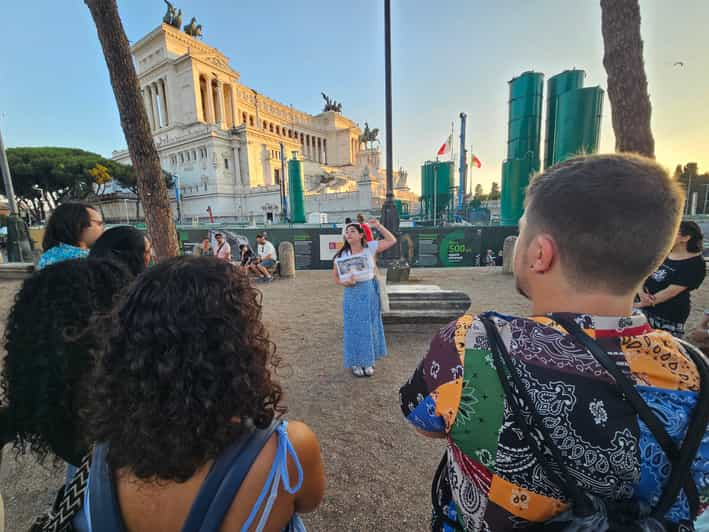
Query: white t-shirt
pixel 370 252
pixel 266 249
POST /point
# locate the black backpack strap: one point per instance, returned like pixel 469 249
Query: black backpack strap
pixel 217 492
pixel 68 503
pixel 582 504
pixel 680 459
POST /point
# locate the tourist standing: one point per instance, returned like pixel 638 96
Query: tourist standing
pixel 222 250
pixel 364 340
pixel 180 413
pixel 72 229
pixel 665 298
pixel 348 221
pixel 532 420
pixel 365 226
pixel 204 249
pixel 265 259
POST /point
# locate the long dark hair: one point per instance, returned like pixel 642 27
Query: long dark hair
pixel 347 248
pixel 49 354
pixel 695 244
pixel 66 224
pixel 188 364
pixel 124 244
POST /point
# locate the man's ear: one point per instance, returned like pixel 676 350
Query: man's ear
pixel 543 253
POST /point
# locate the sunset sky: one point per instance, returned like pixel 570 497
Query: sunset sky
pixel 448 57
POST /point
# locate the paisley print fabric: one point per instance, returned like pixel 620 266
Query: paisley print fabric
pixel 493 480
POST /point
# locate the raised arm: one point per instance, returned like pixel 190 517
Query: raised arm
pixel 389 239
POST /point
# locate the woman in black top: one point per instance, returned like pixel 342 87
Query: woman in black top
pixel 665 300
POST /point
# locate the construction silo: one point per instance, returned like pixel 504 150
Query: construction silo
pixel 436 186
pixel 562 83
pixel 523 143
pixel 578 123
pixel 525 116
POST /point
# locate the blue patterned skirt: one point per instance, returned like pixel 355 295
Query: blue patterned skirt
pixel 364 331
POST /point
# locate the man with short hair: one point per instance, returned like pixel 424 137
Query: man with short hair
pixel 222 250
pixel 266 257
pixel 594 228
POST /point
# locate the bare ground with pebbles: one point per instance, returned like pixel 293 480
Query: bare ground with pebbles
pixel 378 470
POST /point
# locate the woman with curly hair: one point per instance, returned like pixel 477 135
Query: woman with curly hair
pixel 126 245
pixel 188 414
pixel 48 356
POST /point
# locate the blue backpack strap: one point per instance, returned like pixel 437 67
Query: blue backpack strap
pixel 103 501
pixel 217 492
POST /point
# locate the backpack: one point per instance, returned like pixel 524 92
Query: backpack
pixel 587 512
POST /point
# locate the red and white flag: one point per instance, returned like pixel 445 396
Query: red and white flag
pixel 475 161
pixel 446 146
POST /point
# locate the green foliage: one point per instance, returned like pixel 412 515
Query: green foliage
pixel 44 177
pixel 692 182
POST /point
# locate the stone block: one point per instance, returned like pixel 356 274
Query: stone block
pixel 16 271
pixel 508 253
pixel 286 256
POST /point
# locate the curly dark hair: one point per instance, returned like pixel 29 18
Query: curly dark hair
pixel 184 371
pixel 66 224
pixel 49 354
pixel 124 244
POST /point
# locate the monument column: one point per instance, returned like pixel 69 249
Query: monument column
pixel 222 108
pixel 210 102
pixel 148 107
pixel 156 106
pixel 163 101
pixel 234 113
pixel 197 84
pixel 153 108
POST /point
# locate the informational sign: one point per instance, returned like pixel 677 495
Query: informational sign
pixel 303 244
pixel 330 245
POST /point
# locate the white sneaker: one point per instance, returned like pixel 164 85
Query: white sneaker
pixel 369 371
pixel 357 371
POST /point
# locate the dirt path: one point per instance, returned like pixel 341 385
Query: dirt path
pixel 378 470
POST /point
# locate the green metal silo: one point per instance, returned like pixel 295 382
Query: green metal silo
pixel 515 178
pixel 525 118
pixel 562 83
pixel 578 123
pixel 437 179
pixel 295 190
pixel 523 143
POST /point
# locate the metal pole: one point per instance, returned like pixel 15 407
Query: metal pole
pixel 390 215
pixel 435 194
pixel 463 162
pixel 19 245
pixel 7 179
pixel 706 192
pixel 689 194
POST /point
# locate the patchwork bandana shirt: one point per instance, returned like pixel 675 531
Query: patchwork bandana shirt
pixel 493 480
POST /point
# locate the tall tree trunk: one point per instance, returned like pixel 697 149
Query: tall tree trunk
pixel 627 83
pixel 134 120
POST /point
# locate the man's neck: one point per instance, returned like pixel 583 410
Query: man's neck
pixel 597 304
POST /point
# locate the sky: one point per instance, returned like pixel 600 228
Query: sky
pixel 447 57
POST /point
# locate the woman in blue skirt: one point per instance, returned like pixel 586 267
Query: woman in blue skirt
pixel 354 269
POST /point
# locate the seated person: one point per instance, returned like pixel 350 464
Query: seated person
pixel 247 255
pixel 126 245
pixel 496 475
pixel 266 258
pixel 184 393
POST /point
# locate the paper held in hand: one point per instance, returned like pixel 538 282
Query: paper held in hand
pixel 357 267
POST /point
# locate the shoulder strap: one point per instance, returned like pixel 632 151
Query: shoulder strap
pixel 224 480
pixel 103 501
pixel 582 505
pixel 680 459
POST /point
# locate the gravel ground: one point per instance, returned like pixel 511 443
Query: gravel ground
pixel 378 470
